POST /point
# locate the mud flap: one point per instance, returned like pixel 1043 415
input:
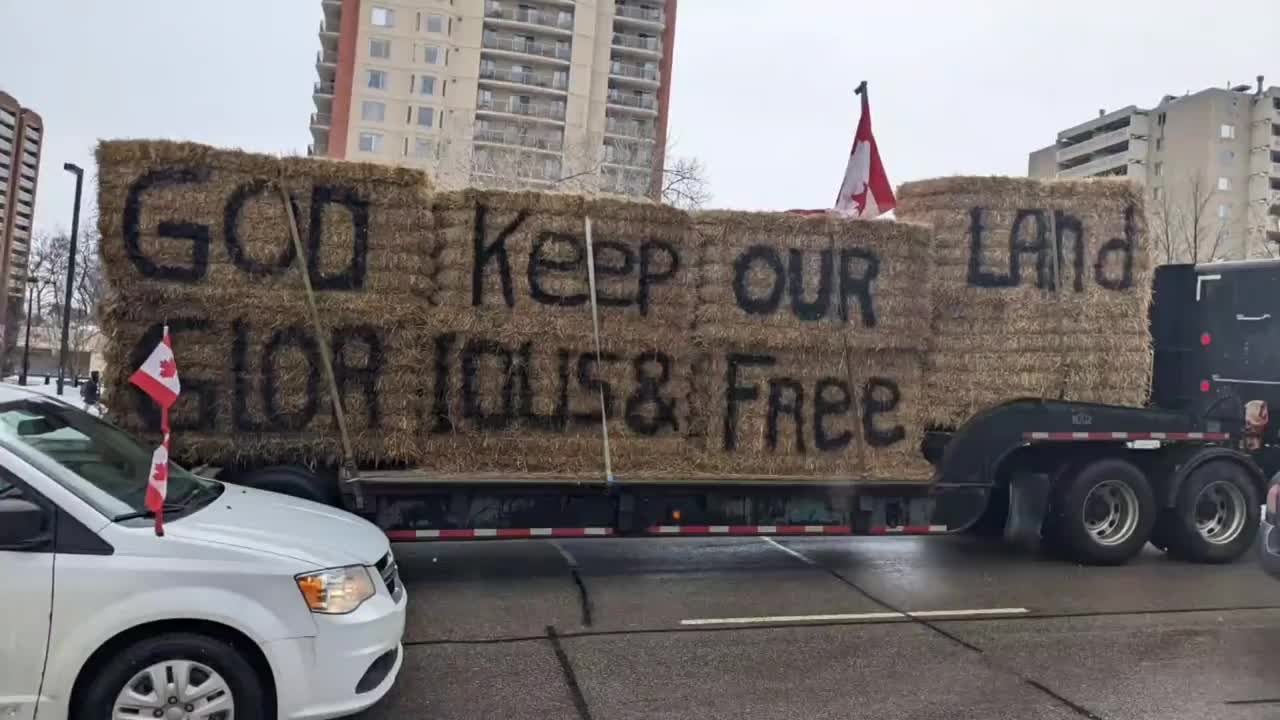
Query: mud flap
pixel 1028 503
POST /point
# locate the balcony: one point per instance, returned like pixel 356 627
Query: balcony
pixel 639 74
pixel 558 82
pixel 521 46
pixel 1100 166
pixel 562 22
pixel 514 138
pixel 1094 144
pixel 514 106
pixel 630 129
pixel 642 16
pixel 645 103
pixel 326 58
pixel 318 150
pixel 649 46
pixel 321 120
pixel 323 89
pixel 329 30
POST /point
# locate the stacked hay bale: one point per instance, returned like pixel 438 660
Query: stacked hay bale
pixel 814 328
pixel 199 237
pixel 1040 289
pixel 514 283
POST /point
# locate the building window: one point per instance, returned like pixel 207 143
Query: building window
pixel 382 17
pixel 1224 212
pixel 1156 193
pixel 435 23
pixel 377 80
pixel 426 85
pixel 426 117
pixel 1160 119
pixel 1228 132
pixel 380 48
pixel 431 55
pixel 1157 169
pixel 1159 144
pixel 373 111
pixel 370 142
pixel 423 148
pixel 1224 183
pixel 1226 156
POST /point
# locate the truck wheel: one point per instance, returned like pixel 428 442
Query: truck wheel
pixel 290 480
pixel 176 675
pixel 1216 515
pixel 1103 514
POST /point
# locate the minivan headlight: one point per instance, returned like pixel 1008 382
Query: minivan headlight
pixel 336 591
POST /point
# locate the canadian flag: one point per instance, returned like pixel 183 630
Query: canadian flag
pixel 158 376
pixel 865 192
pixel 158 483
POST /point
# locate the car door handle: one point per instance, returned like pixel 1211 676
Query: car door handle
pixel 1251 318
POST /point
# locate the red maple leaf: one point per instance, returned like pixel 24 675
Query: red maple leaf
pixel 159 471
pixel 168 368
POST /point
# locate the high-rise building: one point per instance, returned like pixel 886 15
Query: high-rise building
pixel 21 138
pixel 544 93
pixel 1210 161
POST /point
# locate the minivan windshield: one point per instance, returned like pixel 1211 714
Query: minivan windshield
pixel 98 462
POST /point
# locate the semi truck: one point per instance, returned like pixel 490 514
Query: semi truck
pixel 1091 482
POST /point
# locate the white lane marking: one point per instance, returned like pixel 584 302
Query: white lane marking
pixel 788 551
pixel 777 619
pixel 568 556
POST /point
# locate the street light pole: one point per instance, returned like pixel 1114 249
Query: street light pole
pixel 71 271
pixel 26 346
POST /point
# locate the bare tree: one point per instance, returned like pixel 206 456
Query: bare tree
pixel 1184 226
pixel 531 158
pixel 47 274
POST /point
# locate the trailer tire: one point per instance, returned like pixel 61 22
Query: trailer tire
pixel 1216 514
pixel 1103 513
pixel 292 480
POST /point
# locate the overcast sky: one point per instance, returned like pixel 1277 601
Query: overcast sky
pixel 762 90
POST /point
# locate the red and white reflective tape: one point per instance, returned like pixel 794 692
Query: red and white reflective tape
pixel 908 530
pixel 1126 436
pixel 497 534
pixel 749 530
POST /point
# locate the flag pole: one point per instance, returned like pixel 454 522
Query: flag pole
pixel 164 440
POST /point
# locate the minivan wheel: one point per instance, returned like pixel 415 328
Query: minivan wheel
pixel 292 480
pixel 176 675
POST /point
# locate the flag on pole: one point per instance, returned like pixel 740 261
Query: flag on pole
pixel 865 192
pixel 158 377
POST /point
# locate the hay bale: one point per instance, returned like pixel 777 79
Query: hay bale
pixel 784 281
pixel 1040 289
pixel 516 263
pixel 801 415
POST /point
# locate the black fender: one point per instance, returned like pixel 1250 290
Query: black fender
pixel 1175 464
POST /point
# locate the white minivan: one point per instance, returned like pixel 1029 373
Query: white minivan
pixel 252 605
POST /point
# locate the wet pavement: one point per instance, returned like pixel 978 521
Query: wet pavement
pixel 826 628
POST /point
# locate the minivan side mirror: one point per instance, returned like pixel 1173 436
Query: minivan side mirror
pixel 22 524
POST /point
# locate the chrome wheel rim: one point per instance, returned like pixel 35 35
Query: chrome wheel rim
pixel 1220 512
pixel 1111 512
pixel 175 690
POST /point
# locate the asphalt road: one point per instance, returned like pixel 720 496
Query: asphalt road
pixel 726 628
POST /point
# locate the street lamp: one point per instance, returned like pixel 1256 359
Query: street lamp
pixel 71 270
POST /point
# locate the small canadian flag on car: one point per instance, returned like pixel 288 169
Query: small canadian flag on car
pixel 158 377
pixel 865 192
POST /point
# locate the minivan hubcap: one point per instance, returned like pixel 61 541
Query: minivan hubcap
pixel 175 690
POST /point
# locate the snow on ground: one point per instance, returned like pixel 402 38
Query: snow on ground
pixel 70 393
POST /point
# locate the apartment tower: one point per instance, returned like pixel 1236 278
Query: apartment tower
pixel 534 93
pixel 21 137
pixel 1210 161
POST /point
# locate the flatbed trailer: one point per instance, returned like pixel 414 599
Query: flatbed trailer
pixel 1090 481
